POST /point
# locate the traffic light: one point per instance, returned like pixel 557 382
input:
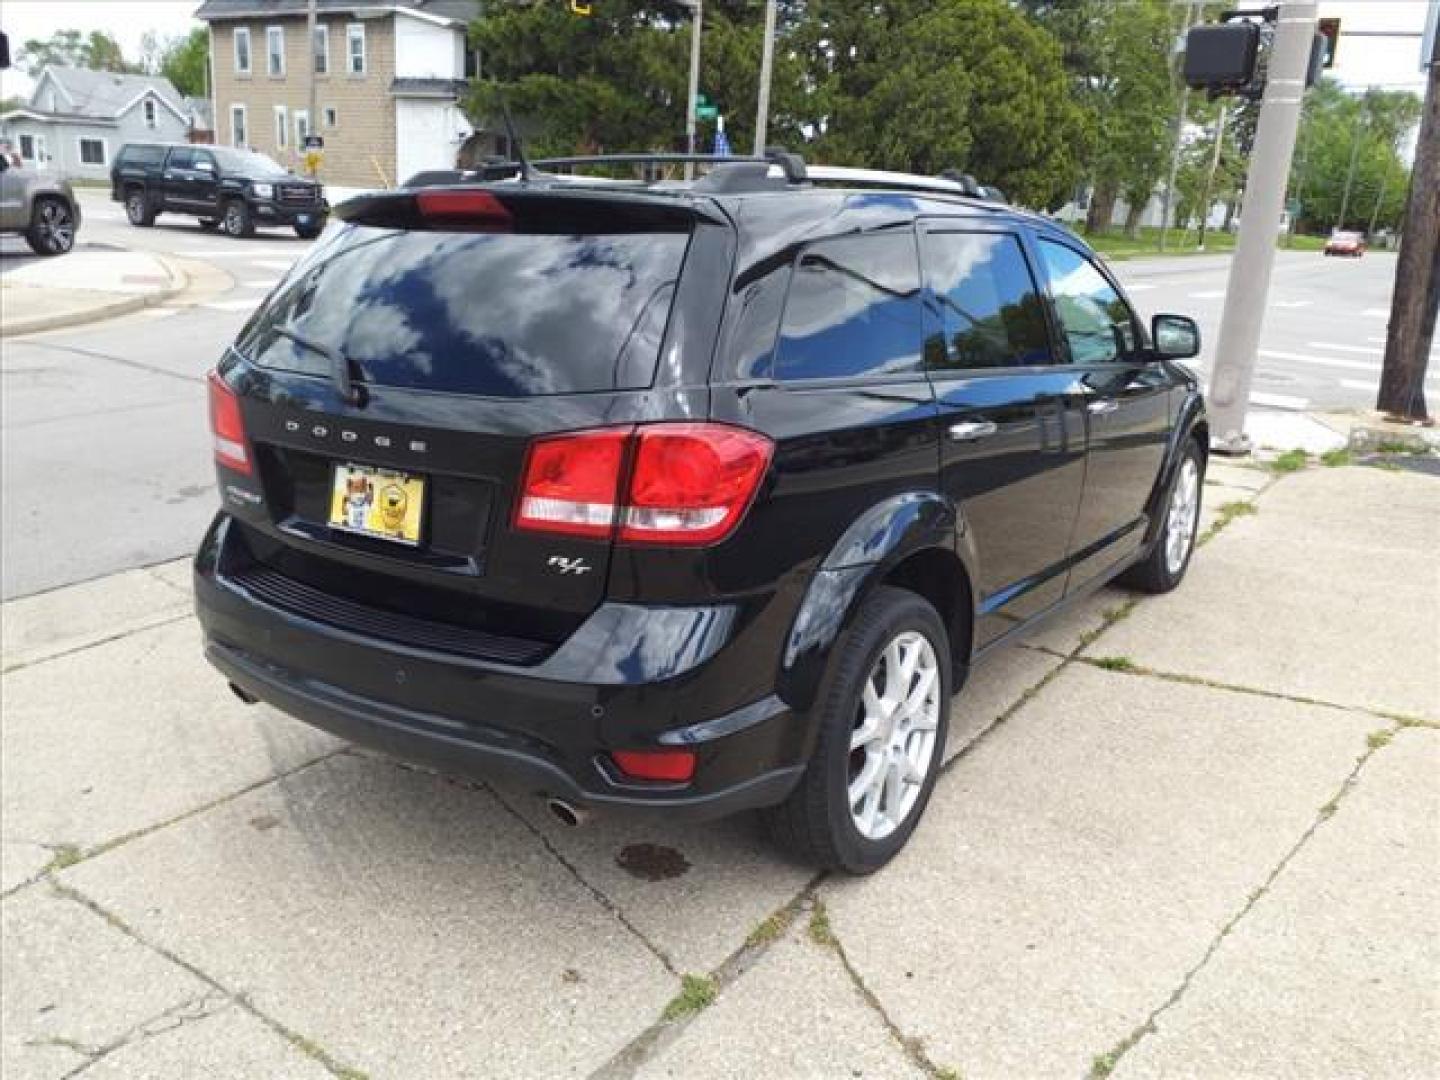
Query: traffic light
pixel 1330 31
pixel 1221 58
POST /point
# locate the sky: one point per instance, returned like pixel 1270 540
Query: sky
pixel 1389 62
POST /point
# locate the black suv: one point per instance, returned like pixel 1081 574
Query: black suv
pixel 689 497
pixel 234 190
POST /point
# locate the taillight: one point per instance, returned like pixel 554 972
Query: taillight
pixel 227 426
pixel 571 483
pixel 673 765
pixel 465 209
pixel 689 484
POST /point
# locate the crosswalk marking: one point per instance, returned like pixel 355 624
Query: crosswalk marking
pixel 1323 361
pixel 1208 294
pixel 1368 350
pixel 1376 313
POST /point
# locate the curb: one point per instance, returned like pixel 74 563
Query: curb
pixel 179 282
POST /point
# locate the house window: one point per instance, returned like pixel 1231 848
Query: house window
pixel 238 134
pixel 282 127
pixel 92 151
pixel 275 50
pixel 27 147
pixel 472 63
pixel 242 50
pixel 321 47
pixel 332 118
pixel 149 113
pixel 355 48
pixel 302 127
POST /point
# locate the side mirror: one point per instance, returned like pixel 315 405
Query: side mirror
pixel 1176 337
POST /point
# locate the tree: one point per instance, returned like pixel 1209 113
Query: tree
pixel 97 50
pixel 183 60
pixel 966 84
pixel 1118 57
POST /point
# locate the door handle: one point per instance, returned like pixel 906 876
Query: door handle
pixel 1102 407
pixel 970 430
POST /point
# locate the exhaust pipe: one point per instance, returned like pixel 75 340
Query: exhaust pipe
pixel 570 816
pixel 246 697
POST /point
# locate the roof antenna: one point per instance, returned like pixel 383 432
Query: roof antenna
pixel 527 172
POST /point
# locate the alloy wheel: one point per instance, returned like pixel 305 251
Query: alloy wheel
pixel 56 227
pixel 892 746
pixel 1184 512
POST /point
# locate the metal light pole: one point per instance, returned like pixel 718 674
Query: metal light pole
pixel 696 18
pixel 1249 284
pixel 767 60
pixel 1168 204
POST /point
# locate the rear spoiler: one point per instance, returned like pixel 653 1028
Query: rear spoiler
pixel 508 207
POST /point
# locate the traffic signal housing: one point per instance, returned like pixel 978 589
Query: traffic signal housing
pixel 1221 58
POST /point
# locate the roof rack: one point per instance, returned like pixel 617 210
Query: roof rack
pixel 791 165
pixel 953 184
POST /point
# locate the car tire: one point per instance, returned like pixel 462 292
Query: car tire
pixel 52 226
pixel 835 818
pixel 138 208
pixel 209 224
pixel 237 221
pixel 308 232
pixel 1169 557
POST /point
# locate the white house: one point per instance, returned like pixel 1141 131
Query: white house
pixel 77 119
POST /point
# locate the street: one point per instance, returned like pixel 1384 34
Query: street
pixel 106 451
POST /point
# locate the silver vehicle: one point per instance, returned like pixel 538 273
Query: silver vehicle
pixel 41 208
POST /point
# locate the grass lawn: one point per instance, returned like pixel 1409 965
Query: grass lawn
pixel 1116 245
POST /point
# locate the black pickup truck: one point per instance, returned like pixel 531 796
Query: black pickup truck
pixel 230 189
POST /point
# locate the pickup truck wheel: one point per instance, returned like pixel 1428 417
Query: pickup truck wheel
pixel 209 224
pixel 237 220
pixel 308 232
pixel 883 713
pixel 137 208
pixel 52 227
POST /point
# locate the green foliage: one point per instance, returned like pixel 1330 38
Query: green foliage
pixel 696 992
pixel 1336 126
pixel 1290 461
pixel 1336 458
pixel 182 60
pixel 70 48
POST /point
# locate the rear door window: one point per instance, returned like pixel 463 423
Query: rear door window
pixel 986 310
pixel 853 309
pixel 1099 326
pixel 490 314
pixel 180 159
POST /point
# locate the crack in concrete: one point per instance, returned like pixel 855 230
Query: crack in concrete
pixel 150 369
pixel 304 1045
pixel 1105 1063
pixel 21 665
pixel 191 1010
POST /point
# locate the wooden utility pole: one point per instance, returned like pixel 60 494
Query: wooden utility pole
pixel 1417 275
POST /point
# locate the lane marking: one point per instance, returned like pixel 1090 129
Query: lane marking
pixel 1138 288
pixel 1208 294
pixel 1291 303
pixel 1376 313
pixel 232 305
pixel 1368 350
pixel 1359 384
pixel 1322 361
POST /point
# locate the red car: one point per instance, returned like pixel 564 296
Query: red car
pixel 1345 243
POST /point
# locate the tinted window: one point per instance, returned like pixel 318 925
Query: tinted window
pixel 986 306
pixel 853 309
pixel 1097 324
pixel 142 154
pixel 181 159
pixel 248 163
pixel 501 315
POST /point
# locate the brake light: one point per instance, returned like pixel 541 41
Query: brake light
pixel 692 482
pixel 227 426
pixel 467 209
pixel 571 483
pixel 689 483
pixel 673 765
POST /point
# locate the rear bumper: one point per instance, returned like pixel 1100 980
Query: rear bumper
pixel 500 722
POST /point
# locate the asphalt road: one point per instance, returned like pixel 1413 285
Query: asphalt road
pixel 106 458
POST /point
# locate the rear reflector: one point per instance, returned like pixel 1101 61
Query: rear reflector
pixel 227 426
pixel 690 484
pixel 571 483
pixel 674 765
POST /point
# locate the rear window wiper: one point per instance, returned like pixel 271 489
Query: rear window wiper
pixel 339 363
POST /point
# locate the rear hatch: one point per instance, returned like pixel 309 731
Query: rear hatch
pixel 391 392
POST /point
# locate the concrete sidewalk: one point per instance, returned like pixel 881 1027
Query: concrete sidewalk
pixel 83 286
pixel 1195 835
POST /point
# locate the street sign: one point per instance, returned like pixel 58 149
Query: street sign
pixel 1330 31
pixel 701 101
pixel 707 112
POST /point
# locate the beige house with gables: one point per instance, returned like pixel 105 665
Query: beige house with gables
pixel 390 77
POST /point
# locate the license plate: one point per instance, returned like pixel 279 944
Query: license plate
pixel 377 502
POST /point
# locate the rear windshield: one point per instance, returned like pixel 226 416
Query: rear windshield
pixel 495 315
